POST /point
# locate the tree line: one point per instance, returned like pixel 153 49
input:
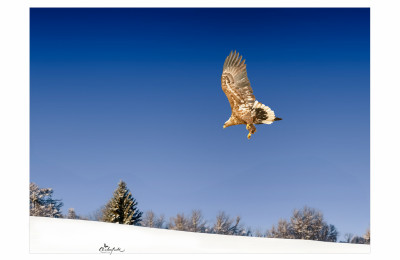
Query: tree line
pixel 306 223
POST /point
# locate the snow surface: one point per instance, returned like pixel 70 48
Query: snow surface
pixel 50 235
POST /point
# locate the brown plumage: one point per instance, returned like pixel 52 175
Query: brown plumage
pixel 245 108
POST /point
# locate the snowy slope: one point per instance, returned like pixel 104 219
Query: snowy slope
pixel 49 235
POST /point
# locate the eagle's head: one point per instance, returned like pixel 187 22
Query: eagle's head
pixel 228 123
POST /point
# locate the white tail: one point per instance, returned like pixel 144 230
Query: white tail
pixel 264 114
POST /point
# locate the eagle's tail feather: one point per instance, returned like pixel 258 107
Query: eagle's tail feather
pixel 264 114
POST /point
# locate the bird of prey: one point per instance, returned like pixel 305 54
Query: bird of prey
pixel 246 109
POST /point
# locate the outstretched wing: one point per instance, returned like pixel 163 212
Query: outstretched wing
pixel 235 83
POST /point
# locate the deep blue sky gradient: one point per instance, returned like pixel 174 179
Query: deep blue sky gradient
pixel 134 94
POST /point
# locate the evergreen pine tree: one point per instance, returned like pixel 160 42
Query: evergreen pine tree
pixel 42 204
pixel 122 208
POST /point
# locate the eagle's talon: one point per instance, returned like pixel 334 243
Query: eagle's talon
pixel 248 136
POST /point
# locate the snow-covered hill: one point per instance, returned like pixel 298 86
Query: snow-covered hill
pixel 49 235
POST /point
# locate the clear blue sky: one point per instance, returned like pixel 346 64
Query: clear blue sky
pixel 135 94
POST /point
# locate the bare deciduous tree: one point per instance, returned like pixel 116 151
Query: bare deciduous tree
pixel 179 222
pixel 196 222
pixel 150 219
pixel 72 214
pixel 222 224
pixel 159 221
pixel 282 230
pixel 97 215
pixel 228 226
pixel 332 234
pixel 367 236
pixel 258 233
pixel 357 240
pixel 348 237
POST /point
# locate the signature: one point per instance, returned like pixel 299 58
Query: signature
pixel 109 250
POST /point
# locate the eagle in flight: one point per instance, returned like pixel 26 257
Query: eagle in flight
pixel 246 109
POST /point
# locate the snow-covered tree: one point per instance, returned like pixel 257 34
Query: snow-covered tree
pixel 122 208
pixel 42 204
pixel 306 223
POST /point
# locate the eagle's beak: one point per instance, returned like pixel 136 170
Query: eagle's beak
pixel 224 126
